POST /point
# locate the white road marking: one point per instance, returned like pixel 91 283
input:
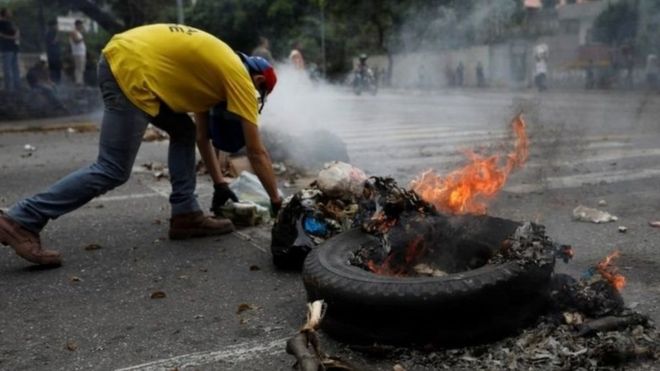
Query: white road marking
pixel 124 197
pixel 233 353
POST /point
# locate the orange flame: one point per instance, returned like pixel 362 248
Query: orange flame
pixel 610 272
pixel 465 190
pixel 414 250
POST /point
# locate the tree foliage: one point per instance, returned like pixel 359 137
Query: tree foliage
pixel 351 27
pixel 617 24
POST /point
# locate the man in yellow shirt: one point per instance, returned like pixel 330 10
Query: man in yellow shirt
pixel 159 73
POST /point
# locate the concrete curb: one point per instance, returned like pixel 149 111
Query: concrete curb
pixel 80 123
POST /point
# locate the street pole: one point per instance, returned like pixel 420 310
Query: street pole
pixel 179 11
pixel 322 4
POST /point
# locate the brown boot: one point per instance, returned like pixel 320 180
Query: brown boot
pixel 196 224
pixel 26 244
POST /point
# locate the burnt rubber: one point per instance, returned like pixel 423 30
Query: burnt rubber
pixel 469 307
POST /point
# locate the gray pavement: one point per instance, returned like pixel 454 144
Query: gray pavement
pixel 96 312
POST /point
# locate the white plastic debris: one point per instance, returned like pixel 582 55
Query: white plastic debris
pixel 29 148
pixel 339 179
pixel 245 213
pixel 602 203
pixel 623 229
pixel 248 188
pixel 587 214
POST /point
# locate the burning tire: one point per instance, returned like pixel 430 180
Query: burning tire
pixel 468 307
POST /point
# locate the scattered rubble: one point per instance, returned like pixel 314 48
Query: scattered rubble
pixel 305 346
pixel 157 169
pixel 154 134
pixel 311 151
pixel 158 295
pixel 526 246
pixel 244 307
pixel 28 149
pixel 92 247
pixel 71 346
pixel 546 346
pixel 587 214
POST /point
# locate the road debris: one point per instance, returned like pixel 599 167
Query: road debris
pixel 71 346
pixel 602 203
pixel 158 295
pixel 28 149
pixel 244 307
pixel 306 345
pixel 154 134
pixel 157 169
pixel 654 223
pixel 92 247
pixel 622 229
pixel 587 214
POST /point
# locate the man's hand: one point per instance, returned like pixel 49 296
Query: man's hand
pixel 221 193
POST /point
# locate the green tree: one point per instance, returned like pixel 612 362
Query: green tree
pixel 617 24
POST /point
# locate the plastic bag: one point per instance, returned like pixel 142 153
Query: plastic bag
pixel 587 214
pixel 248 188
pixel 339 179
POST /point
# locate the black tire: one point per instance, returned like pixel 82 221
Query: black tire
pixel 470 307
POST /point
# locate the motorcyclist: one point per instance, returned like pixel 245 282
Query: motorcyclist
pixel 362 66
pixel 363 78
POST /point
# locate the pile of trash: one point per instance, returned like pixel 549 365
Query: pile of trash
pixel 314 214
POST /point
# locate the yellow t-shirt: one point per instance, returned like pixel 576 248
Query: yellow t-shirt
pixel 186 68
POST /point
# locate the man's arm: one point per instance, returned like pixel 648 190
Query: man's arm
pixel 206 149
pixel 260 160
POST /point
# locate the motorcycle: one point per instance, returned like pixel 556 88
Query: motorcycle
pixel 364 80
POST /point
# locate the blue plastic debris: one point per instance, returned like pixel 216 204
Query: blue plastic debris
pixel 315 226
pixel 587 274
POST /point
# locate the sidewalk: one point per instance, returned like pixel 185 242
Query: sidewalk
pixel 84 122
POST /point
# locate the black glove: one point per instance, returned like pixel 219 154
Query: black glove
pixel 221 193
pixel 275 208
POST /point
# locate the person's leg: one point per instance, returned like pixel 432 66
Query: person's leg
pixel 16 73
pixel 79 68
pixel 6 71
pixel 121 135
pixel 180 159
pixel 55 73
pixel 187 218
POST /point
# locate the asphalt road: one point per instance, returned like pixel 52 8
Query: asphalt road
pixel 96 312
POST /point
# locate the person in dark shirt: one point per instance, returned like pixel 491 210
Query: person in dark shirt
pixel 9 41
pixel 53 52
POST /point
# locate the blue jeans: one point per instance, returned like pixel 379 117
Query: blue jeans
pixel 122 129
pixel 10 71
